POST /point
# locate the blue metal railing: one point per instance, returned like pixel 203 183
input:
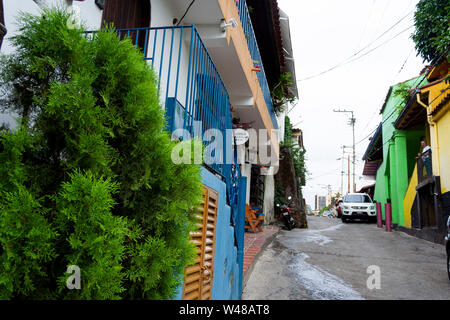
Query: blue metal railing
pixel 249 33
pixel 192 92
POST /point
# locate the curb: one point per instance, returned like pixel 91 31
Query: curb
pixel 252 264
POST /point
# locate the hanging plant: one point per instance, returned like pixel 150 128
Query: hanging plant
pixel 281 94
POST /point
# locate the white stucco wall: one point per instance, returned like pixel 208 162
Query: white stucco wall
pixel 246 171
pixel 11 9
pixel 269 198
pixel 90 15
pixel 280 121
pixel 162 13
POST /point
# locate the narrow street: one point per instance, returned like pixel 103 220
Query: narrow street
pixel 330 260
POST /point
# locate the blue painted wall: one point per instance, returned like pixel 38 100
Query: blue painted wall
pixel 226 280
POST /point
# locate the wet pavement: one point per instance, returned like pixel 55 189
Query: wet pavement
pixel 335 261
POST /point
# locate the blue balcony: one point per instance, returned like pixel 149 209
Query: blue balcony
pixel 192 92
pixel 249 33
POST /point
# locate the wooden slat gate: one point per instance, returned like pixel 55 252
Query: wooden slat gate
pixel 199 277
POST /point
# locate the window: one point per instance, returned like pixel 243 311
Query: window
pixel 357 198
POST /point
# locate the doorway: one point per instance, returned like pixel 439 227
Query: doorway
pixel 128 14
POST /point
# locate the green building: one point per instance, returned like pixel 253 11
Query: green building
pixel 390 156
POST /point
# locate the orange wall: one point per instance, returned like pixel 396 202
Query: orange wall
pixel 230 10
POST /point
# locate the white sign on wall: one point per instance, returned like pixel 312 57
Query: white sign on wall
pixel 240 136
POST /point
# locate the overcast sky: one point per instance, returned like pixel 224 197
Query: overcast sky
pixel 325 33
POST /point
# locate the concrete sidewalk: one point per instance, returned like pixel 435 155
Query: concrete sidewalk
pixel 254 243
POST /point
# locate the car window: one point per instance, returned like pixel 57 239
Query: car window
pixel 357 198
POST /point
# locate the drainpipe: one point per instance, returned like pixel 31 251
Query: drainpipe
pixel 432 124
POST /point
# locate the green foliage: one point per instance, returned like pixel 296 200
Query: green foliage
pixel 432 28
pixel 287 142
pixel 402 91
pixel 298 155
pixel 26 236
pixel 94 237
pixel 89 179
pixel 281 95
pixel 280 196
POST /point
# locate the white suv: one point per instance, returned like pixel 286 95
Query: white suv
pixel 358 206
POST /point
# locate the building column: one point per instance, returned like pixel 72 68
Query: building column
pixel 387 194
pixel 401 174
pixel 247 172
pixel 269 198
pixel 240 234
pixel 393 180
pixel 246 169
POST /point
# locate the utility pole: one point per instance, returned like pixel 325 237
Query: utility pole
pixel 352 123
pixel 348 174
pixel 343 158
pixel 342 173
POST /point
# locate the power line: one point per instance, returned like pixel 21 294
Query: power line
pixel 365 127
pixel 373 115
pixel 324 174
pixel 366 53
pixel 384 10
pixel 186 12
pixel 409 121
pixel 415 85
pixel 367 22
pixel 359 57
pixel 442 92
pixel 404 63
pixel 354 57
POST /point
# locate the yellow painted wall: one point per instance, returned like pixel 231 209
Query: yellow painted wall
pixel 443 136
pixel 408 201
pixel 440 133
pixel 230 10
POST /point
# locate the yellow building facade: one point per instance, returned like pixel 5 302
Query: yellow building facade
pixel 427 199
pixel 437 104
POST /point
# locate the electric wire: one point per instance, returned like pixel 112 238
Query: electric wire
pixel 404 63
pixel 355 57
pixel 415 86
pixel 409 122
pixel 186 12
pixel 399 72
pixel 367 23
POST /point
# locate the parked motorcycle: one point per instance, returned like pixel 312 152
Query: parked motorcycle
pixel 288 220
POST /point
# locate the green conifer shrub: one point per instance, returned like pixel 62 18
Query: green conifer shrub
pixel 90 180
